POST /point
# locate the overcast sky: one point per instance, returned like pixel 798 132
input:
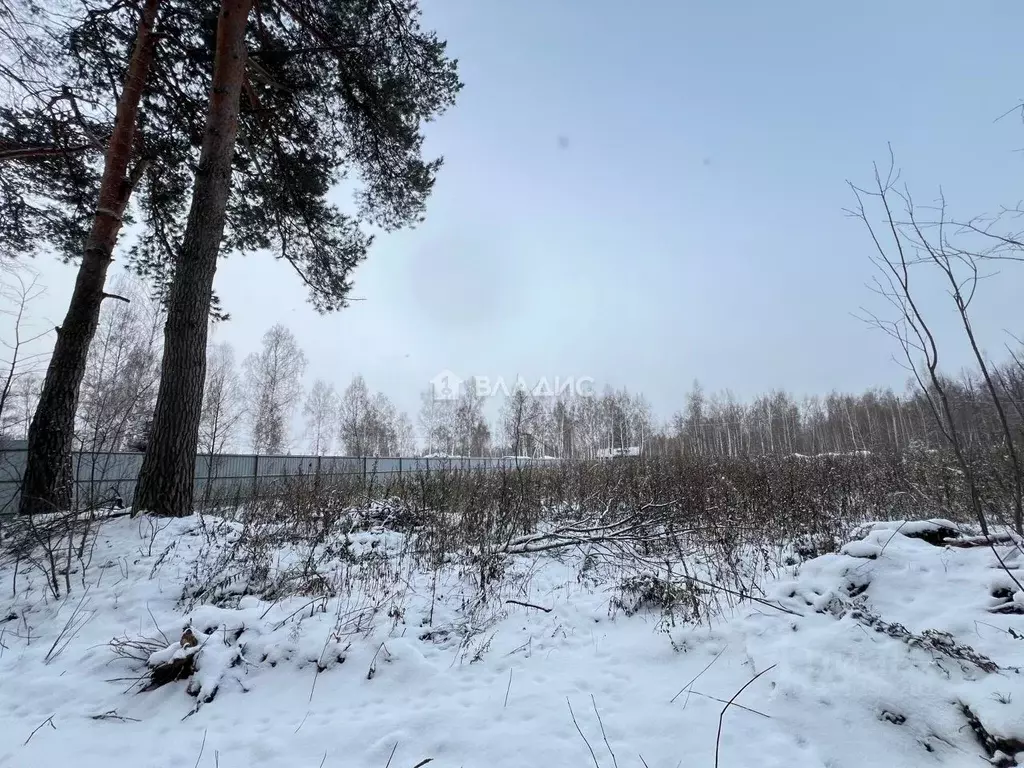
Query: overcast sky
pixel 651 193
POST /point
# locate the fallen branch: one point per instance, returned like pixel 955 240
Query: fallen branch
pixel 994 745
pixel 528 605
pixel 629 528
pixel 982 541
pixel 112 715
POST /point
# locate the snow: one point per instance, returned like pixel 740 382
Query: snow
pixel 866 664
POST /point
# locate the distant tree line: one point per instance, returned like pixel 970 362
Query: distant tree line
pixel 257 403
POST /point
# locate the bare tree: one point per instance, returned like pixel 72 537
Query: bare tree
pixel 959 270
pixel 368 422
pixel 353 417
pixel 121 373
pixel 223 399
pixel 437 422
pixel 472 434
pixel 274 381
pixel 321 410
pixel 223 410
pixel 19 406
pixel 405 435
pixel 909 327
pixel 19 366
pixel 520 418
pixel 382 433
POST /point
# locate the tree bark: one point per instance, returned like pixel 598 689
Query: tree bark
pixel 167 479
pixel 46 483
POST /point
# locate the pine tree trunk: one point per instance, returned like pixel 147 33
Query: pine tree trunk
pixel 46 483
pixel 167 480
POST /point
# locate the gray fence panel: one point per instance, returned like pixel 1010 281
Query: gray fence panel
pixel 12 464
pixel 105 478
pixel 341 465
pixel 225 465
pixel 380 466
pixel 224 478
pixel 111 478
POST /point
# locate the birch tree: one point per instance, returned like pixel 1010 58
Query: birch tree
pixel 273 387
pixel 321 414
pixel 19 363
pixel 121 374
pixel 223 402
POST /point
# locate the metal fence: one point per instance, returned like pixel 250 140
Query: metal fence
pixel 110 478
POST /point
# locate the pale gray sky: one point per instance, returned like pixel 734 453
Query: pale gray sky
pixel 654 193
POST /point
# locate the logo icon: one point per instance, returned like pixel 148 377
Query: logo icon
pixel 446 386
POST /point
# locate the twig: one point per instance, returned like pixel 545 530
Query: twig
pixel 743 596
pixel 717 655
pixel 201 748
pixel 580 731
pixel 388 763
pixel 47 720
pixel 72 627
pixel 603 734
pixel 528 605
pixel 721 715
pixel 993 626
pixel 882 550
pixel 373 662
pixel 423 762
pixel 723 701
pixel 112 715
pixel 509 688
pixel 155 624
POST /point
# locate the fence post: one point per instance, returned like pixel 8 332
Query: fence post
pixel 255 475
pixel 399 467
pixel 364 469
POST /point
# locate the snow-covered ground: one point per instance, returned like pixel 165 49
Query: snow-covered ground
pixel 399 667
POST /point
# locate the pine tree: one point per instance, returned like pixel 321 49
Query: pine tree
pixel 329 83
pixel 51 193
